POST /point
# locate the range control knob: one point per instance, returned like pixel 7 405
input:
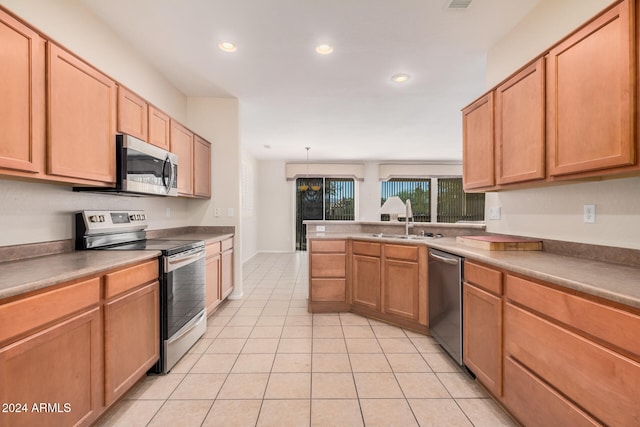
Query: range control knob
pixel 132 217
pixel 102 218
pixel 94 218
pixel 143 216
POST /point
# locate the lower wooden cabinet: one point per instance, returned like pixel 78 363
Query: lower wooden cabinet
pixel 73 350
pixel 482 320
pixel 365 290
pixel 131 339
pixel 328 275
pixel 219 273
pixel 226 266
pixel 59 368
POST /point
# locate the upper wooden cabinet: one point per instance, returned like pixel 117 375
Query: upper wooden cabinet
pixel 133 113
pixel 82 120
pixel 159 128
pixel 201 167
pixel 519 126
pixel 182 146
pixel 477 148
pixel 590 115
pixel 22 116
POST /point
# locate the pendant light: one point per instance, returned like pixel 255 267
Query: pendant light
pixel 304 185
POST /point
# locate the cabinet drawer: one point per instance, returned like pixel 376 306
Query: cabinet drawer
pixel 328 265
pixel 32 312
pixel 328 246
pixel 612 325
pixel 483 277
pixel 213 249
pixel 328 290
pixel 366 248
pixel 122 280
pixel 521 388
pixel 404 252
pixel 595 378
pixel 227 244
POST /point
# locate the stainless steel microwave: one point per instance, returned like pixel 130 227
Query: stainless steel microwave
pixel 142 168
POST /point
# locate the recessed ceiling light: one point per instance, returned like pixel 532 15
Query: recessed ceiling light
pixel 400 78
pixel 228 47
pixel 324 49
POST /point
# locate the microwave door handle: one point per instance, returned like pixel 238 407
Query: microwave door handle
pixel 168 184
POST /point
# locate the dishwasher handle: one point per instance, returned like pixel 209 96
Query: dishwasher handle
pixel 450 261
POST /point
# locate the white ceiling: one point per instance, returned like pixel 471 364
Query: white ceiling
pixel 344 105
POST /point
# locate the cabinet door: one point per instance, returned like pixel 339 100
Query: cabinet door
pixel 131 339
pixel 182 146
pixel 401 289
pixel 59 366
pixel 133 113
pixel 591 97
pixel 520 130
pixel 366 282
pixel 477 144
pixel 226 274
pixel 22 116
pixel 483 337
pixel 82 119
pixel 201 167
pixel 213 292
pixel 159 128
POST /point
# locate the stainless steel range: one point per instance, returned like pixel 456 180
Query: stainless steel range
pixel 183 317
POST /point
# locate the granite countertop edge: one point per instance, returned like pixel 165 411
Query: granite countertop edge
pixel 28 275
pixel 613 282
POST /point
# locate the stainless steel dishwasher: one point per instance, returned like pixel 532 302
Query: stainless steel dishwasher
pixel 445 301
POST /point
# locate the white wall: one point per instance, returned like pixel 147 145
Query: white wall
pixel 250 209
pixel 557 212
pixel 276 208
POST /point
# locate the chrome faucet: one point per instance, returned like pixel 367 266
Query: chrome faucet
pixel 408 214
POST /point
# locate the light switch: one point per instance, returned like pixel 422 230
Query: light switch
pixel 494 212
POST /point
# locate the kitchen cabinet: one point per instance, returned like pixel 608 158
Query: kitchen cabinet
pixel 133 114
pixel 328 275
pixel 201 167
pixel 182 146
pixel 22 110
pixel 404 282
pixel 366 265
pixel 78 346
pixel 81 120
pixel 478 144
pixel 131 327
pixel 520 126
pixel 51 352
pixel 389 282
pixel 578 357
pixel 159 128
pixel 212 274
pixel 482 320
pixel 226 268
pixel 590 117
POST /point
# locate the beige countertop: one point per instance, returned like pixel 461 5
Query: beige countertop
pixel 610 281
pixel 18 277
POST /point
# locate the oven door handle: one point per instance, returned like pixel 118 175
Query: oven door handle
pixel 171 264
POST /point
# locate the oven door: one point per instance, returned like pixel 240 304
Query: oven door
pixel 145 168
pixel 183 315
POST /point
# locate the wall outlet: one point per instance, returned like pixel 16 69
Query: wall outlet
pixel 320 228
pixel 229 211
pixel 217 212
pixel 494 212
pixel 168 212
pixel 589 214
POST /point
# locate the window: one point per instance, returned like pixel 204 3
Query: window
pixel 418 190
pixel 452 204
pixel 329 199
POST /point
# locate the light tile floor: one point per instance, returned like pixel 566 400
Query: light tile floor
pixel 266 361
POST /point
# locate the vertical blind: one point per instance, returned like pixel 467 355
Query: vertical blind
pixel 455 205
pixel 416 189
